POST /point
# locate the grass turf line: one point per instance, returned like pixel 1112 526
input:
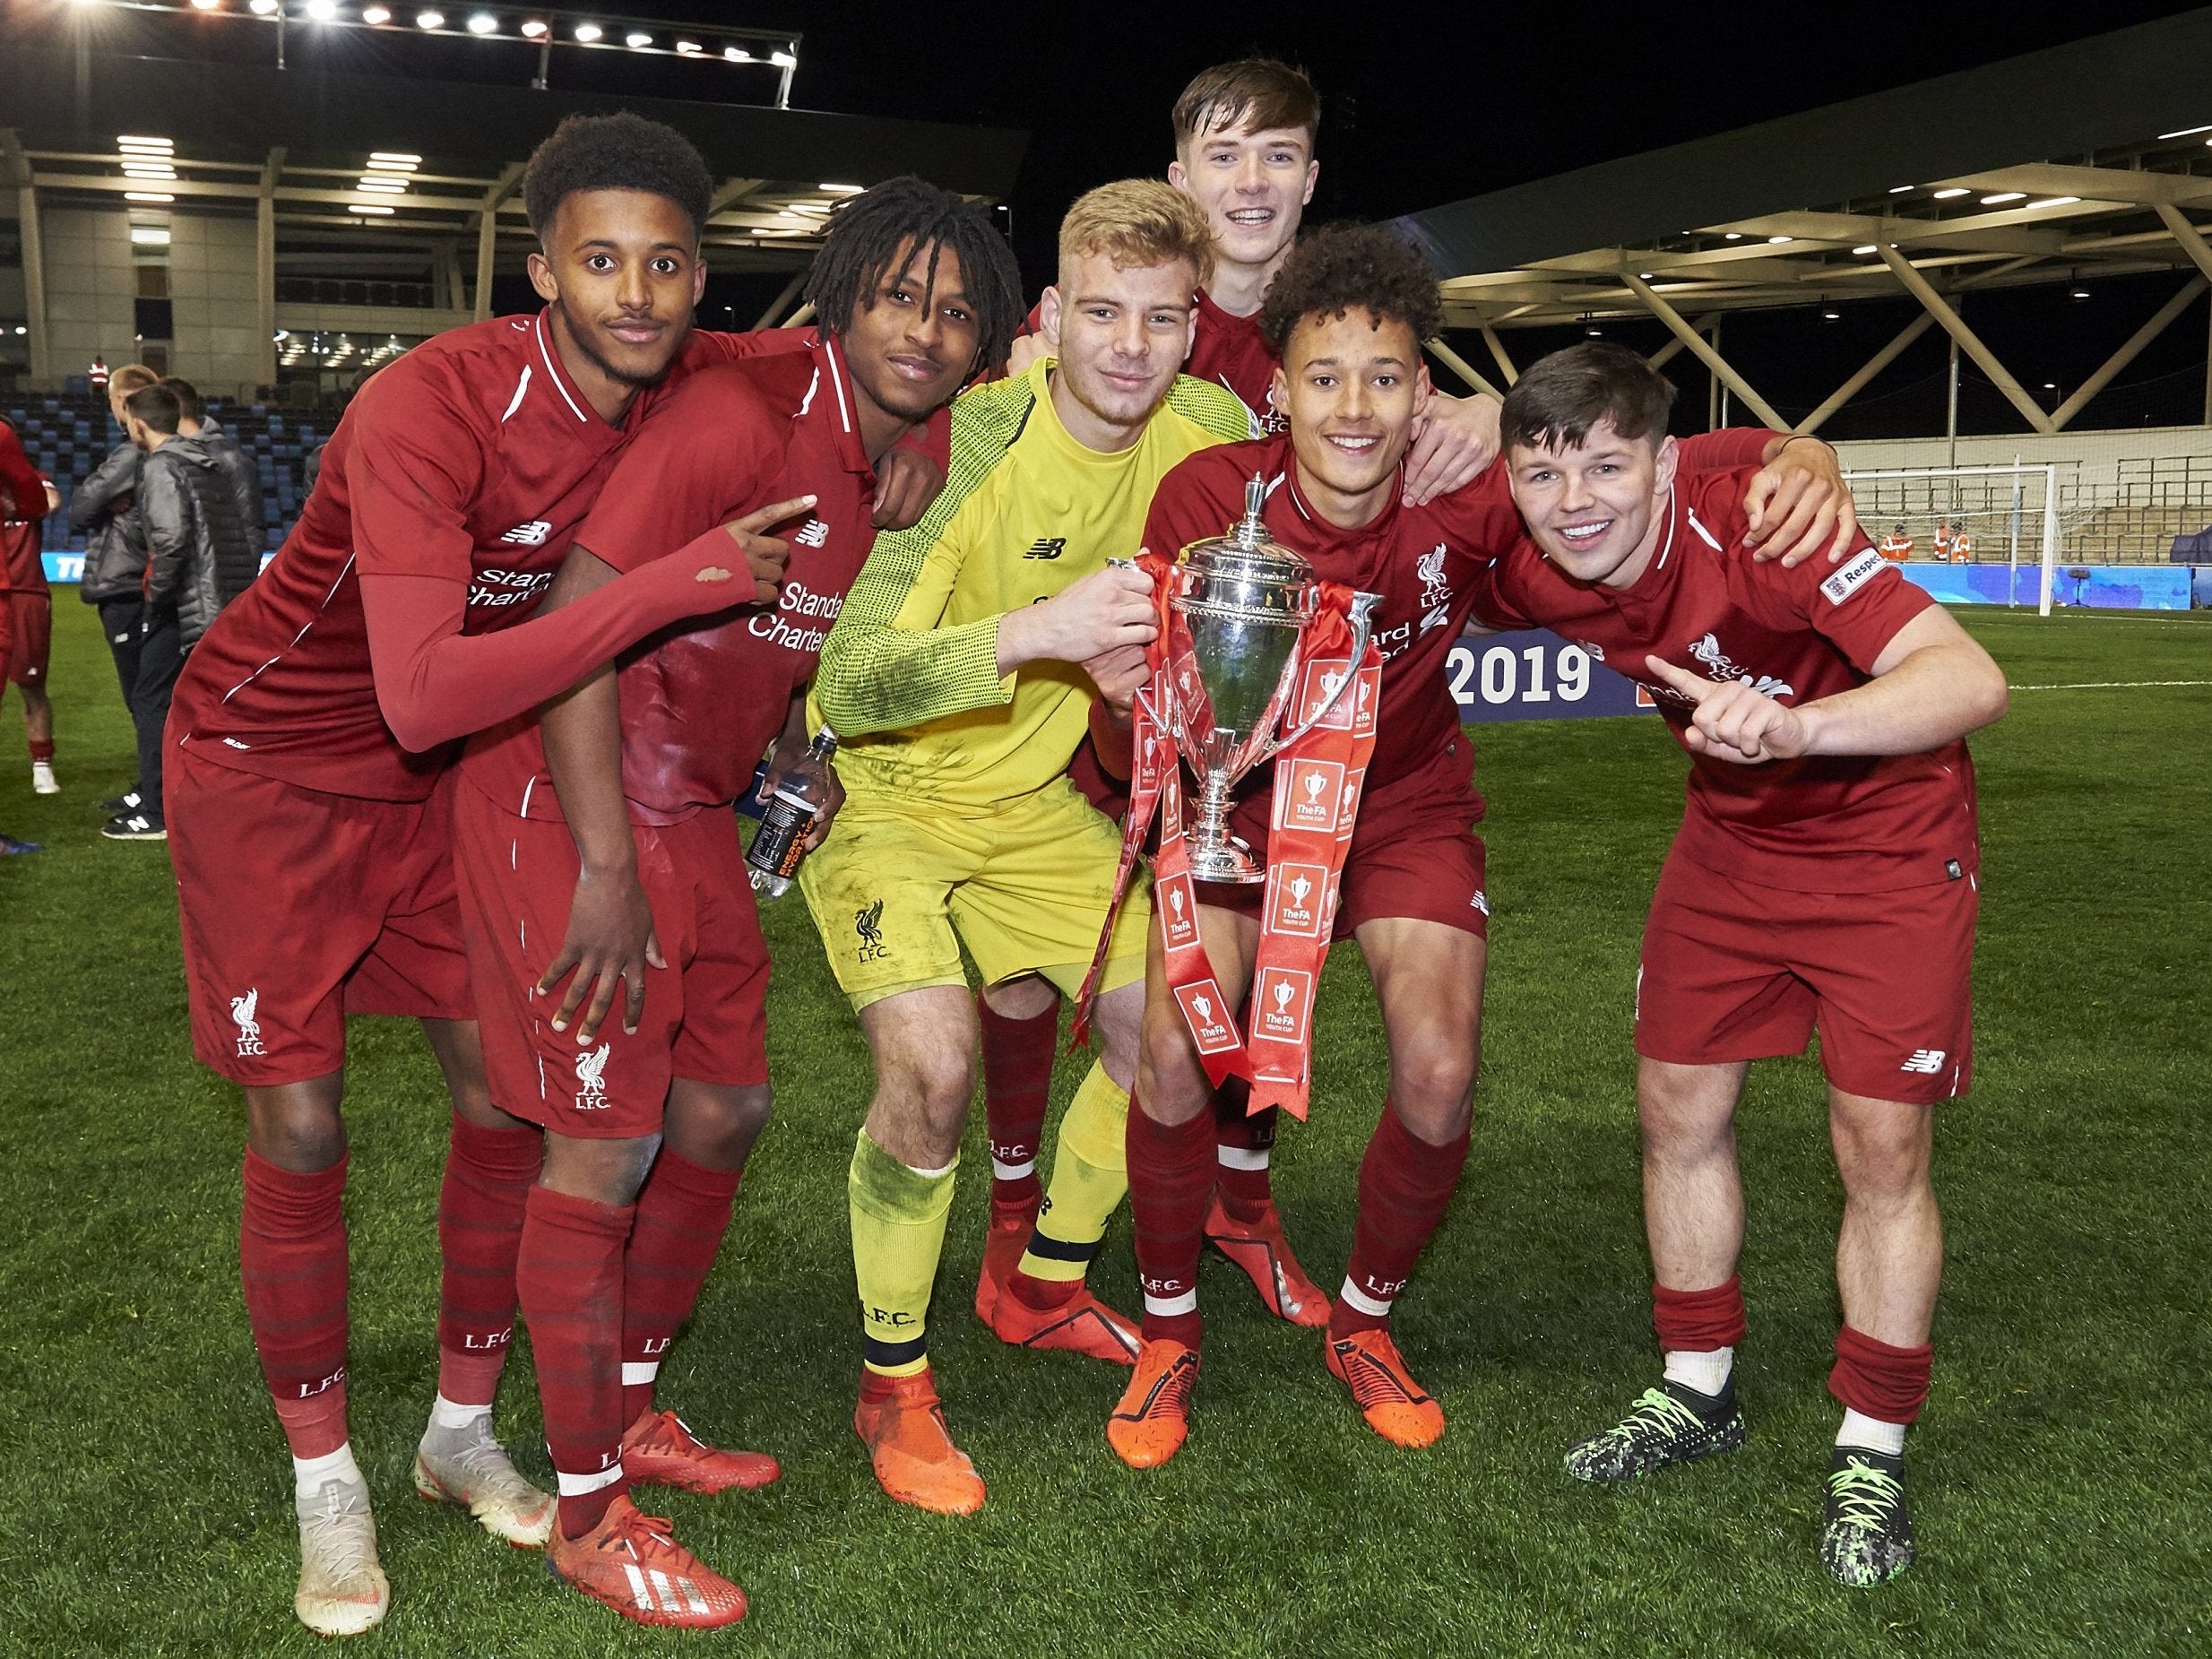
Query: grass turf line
pixel 2061 1489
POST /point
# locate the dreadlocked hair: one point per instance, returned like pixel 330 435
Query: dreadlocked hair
pixel 868 233
pixel 1343 268
pixel 620 151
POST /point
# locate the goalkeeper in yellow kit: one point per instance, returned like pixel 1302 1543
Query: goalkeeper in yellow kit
pixel 960 678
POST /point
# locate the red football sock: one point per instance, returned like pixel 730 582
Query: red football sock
pixel 489 1174
pixel 1017 1075
pixel 570 1277
pixel 1243 1143
pixel 1404 1184
pixel 292 1258
pixel 1889 1384
pixel 42 748
pixel 1043 1295
pixel 1170 1177
pixel 1697 1321
pixel 682 1213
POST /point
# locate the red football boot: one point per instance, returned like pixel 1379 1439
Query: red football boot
pixel 1260 1249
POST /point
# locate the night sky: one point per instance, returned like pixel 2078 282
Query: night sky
pixel 1471 100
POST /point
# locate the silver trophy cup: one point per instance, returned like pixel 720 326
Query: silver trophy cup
pixel 1239 612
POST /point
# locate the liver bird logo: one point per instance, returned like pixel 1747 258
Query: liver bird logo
pixel 868 923
pixel 242 1011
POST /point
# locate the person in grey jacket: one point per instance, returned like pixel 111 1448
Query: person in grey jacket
pixel 115 559
pixel 199 556
pixel 235 465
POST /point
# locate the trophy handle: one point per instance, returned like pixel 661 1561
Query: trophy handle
pixel 1362 630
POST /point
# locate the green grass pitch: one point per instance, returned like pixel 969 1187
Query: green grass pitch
pixel 2062 1483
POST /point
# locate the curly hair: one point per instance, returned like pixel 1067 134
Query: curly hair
pixel 1340 268
pixel 620 151
pixel 867 233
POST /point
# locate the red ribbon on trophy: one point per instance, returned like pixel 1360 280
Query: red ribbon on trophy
pixel 1316 800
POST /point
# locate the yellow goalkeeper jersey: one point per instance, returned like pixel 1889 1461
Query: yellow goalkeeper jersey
pixel 909 677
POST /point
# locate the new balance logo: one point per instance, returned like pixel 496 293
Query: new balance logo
pixel 1925 1061
pixel 530 534
pixel 813 533
pixel 1047 546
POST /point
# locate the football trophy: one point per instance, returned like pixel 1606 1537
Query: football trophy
pixel 1241 609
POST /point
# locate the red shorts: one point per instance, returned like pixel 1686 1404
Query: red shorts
pixel 1733 971
pixel 706 1014
pixel 1413 855
pixel 301 907
pixel 30 636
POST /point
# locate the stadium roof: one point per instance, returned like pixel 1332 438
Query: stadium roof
pixel 316 143
pixel 2081 160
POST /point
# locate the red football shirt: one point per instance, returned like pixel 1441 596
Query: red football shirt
pixel 23 565
pixel 1426 562
pixel 702 702
pixel 469 461
pixel 1826 823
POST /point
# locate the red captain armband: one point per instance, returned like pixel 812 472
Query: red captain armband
pixel 1114 742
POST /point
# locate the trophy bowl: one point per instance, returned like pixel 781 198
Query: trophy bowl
pixel 1238 614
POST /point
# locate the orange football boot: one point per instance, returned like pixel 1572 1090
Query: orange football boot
pixel 1010 1227
pixel 1152 1417
pixel 1082 1324
pixel 900 1422
pixel 660 1449
pixel 1367 1364
pixel 630 1562
pixel 1261 1251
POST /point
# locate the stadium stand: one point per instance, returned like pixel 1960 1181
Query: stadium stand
pixel 68 434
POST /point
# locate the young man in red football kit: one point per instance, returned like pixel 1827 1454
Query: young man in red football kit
pixel 1825 877
pixel 1349 309
pixel 309 806
pixel 599 840
pixel 26 497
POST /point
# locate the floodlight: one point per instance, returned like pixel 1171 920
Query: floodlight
pixel 2055 201
pixel 637 38
pixel 534 27
pixel 589 32
pixel 2003 197
pixel 321 11
pixel 365 208
pixel 263 8
pixel 146 196
pixel 783 60
pixel 841 190
pixel 1776 241
pixel 687 47
pixel 1866 248
pixel 429 20
pixel 1898 190
pixel 375 15
pixel 1955 190
pixel 737 55
pixel 483 23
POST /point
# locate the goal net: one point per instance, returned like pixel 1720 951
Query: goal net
pixel 2008 515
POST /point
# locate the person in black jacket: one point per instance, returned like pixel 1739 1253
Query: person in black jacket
pixel 199 555
pixel 114 557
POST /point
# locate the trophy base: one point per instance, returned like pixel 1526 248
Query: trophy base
pixel 1226 861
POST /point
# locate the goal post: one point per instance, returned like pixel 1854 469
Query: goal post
pixel 2010 514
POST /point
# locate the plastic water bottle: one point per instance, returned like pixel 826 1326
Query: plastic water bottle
pixel 781 842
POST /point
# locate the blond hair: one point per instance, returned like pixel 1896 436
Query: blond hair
pixel 131 377
pixel 1138 222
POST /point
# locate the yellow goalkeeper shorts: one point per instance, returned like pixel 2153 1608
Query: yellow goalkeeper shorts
pixel 899 887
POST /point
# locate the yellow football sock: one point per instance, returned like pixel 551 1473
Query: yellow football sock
pixel 1090 1178
pixel 898 1233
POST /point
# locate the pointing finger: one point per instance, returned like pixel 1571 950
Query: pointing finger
pixel 1680 679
